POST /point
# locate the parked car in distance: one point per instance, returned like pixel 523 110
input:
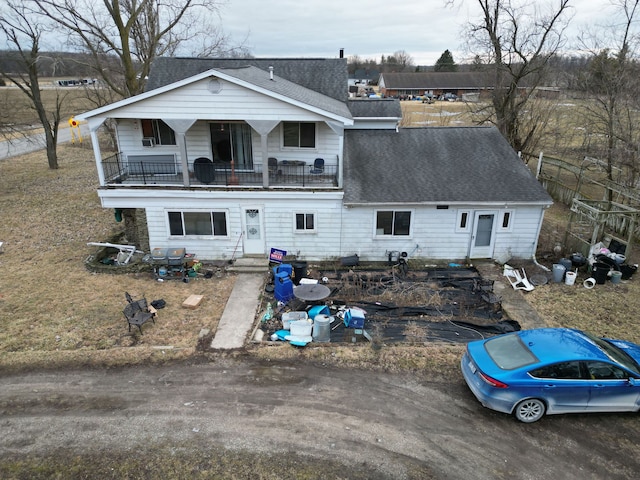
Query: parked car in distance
pixel 531 373
pixel 449 97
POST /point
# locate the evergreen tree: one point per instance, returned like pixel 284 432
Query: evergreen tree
pixel 445 63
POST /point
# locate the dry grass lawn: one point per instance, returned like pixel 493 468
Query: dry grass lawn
pixel 53 309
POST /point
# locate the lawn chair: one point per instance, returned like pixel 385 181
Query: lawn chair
pixel 272 164
pixel 518 281
pixel 138 312
pixel 318 166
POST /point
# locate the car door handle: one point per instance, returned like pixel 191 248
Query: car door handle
pixel 549 386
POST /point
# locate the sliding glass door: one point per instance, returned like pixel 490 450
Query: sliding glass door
pixel 231 141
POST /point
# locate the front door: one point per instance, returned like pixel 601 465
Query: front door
pixel 483 235
pixel 253 232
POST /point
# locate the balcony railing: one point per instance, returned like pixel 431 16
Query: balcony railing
pixel 118 171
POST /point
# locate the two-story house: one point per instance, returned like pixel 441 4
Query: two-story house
pixel 238 156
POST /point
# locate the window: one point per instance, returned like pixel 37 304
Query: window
pixel 161 133
pixel 563 370
pixel 299 134
pixel 463 221
pixel 198 223
pixel 305 222
pixel 391 222
pixel 507 217
pixel 605 371
pixel 508 352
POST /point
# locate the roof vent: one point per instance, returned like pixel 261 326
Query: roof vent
pixel 271 72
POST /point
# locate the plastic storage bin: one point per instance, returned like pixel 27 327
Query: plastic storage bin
pixel 289 317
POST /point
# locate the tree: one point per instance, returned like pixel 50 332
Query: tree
pixel 445 63
pixel 516 39
pixel 135 32
pixel 611 87
pixel 25 33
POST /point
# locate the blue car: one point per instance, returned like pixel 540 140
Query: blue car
pixel 531 373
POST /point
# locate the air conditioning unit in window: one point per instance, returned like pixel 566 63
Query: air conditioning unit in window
pixel 148 142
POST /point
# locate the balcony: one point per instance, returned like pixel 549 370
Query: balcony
pixel 166 170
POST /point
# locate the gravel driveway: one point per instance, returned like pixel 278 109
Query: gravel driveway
pixel 381 425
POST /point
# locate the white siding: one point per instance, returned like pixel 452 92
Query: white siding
pixel 232 103
pixel 339 231
pixel 198 140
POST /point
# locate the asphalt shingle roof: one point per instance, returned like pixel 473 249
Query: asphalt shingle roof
pixel 438 80
pixel 375 108
pixel 327 76
pixel 279 85
pixel 436 165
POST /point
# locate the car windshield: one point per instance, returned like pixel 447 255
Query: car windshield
pixel 508 352
pixel 614 353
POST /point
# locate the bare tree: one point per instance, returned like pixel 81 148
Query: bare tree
pixel 134 32
pixel 25 33
pixel 515 39
pixel 611 86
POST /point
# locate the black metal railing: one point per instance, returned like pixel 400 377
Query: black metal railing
pixel 118 171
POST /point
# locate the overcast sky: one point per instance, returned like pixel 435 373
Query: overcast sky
pixel 320 28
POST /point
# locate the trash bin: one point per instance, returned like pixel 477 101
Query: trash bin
pixel 299 271
pixel 600 271
pixel 558 272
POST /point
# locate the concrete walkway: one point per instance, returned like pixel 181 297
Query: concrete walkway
pixel 514 302
pixel 240 312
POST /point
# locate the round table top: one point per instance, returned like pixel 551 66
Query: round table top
pixel 311 291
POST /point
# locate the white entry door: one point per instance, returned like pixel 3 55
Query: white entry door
pixel 483 236
pixel 253 231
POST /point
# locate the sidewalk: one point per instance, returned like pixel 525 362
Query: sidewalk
pixel 240 312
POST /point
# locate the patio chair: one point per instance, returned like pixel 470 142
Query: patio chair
pixel 138 312
pixel 318 166
pixel 272 164
pixel 517 281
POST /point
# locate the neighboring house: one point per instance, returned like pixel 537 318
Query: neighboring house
pixel 400 85
pixel 222 156
pixel 363 77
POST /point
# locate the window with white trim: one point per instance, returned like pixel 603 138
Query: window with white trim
pixel 463 221
pixel 506 221
pixel 160 132
pixel 305 222
pixel 393 222
pixel 212 224
pixel 299 134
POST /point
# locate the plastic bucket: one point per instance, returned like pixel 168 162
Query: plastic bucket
pixel 570 278
pixel 322 328
pixel 558 272
pixel 600 271
pixel 616 277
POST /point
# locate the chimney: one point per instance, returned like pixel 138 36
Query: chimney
pixel 271 72
pixel 342 53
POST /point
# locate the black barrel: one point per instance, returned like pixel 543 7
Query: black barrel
pixel 299 271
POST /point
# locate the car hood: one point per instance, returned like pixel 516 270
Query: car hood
pixel 630 348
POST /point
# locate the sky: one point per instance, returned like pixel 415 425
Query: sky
pixel 320 28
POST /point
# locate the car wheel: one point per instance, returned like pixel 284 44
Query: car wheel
pixel 530 410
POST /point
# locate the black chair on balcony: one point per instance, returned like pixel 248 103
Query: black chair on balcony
pixel 204 170
pixel 318 166
pixel 272 164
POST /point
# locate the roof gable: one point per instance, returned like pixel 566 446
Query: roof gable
pixel 248 77
pixel 327 76
pixel 436 165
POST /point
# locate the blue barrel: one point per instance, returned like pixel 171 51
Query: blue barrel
pixel 283 267
pixel 283 287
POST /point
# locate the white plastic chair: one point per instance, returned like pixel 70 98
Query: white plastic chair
pixel 517 281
